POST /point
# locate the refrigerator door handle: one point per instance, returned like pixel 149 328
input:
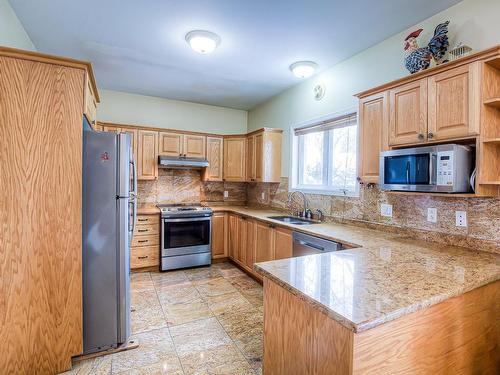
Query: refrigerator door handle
pixel 134 175
pixel 133 202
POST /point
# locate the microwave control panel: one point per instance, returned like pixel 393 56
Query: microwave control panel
pixel 445 168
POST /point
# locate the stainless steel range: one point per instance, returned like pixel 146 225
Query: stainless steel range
pixel 185 236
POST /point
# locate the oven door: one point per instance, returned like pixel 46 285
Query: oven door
pixel 409 170
pixel 187 235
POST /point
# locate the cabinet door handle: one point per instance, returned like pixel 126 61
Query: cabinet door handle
pixel 420 136
pixel 142 230
pixel 142 220
pixel 143 241
pixel 430 135
pixel 143 257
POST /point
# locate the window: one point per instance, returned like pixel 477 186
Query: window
pixel 324 156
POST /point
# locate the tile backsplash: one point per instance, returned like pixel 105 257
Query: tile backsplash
pixel 409 213
pixel 185 186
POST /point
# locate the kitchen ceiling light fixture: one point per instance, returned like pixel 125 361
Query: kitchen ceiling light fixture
pixel 202 41
pixel 303 69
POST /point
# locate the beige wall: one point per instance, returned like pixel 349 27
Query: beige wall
pixel 125 108
pixel 12 33
pixel 475 22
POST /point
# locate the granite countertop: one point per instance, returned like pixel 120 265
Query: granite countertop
pixel 384 276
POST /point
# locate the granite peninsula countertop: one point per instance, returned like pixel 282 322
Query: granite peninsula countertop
pixel 384 277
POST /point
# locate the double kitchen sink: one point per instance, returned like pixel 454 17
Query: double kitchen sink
pixel 293 220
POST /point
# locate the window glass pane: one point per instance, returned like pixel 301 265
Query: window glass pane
pixel 343 158
pixel 312 158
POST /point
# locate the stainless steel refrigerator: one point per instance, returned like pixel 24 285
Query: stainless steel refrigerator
pixel 109 211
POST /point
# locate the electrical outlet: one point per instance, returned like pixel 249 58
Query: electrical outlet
pixel 386 210
pixel 226 194
pixel 263 196
pixel 432 214
pixel 460 218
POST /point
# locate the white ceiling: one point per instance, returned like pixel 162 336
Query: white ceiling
pixel 138 45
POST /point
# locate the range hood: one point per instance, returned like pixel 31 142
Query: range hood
pixel 182 162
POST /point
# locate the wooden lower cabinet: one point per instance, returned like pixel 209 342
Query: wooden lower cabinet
pixel 250 245
pixel 145 246
pixel 283 243
pixel 241 253
pixel 457 336
pixel 264 242
pixel 233 236
pixel 219 235
pixel 250 241
pixel 144 256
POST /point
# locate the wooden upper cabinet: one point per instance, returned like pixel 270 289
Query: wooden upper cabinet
pixel 178 144
pixel 219 235
pixel 234 159
pixel 194 146
pixel 250 149
pixel 283 243
pixel 215 149
pixel 133 138
pixel 452 97
pixel 408 113
pixel 131 131
pixel 259 158
pixel 170 144
pixel 263 153
pixel 373 125
pixel 264 246
pixel 90 108
pixel 147 154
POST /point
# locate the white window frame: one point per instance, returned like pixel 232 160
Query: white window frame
pixel 296 165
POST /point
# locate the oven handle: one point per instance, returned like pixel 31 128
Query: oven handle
pixel 184 219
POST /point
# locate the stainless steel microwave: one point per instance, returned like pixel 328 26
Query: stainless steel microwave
pixel 442 168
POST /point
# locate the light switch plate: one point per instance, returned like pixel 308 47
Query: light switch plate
pixel 226 194
pixel 432 214
pixel 386 210
pixel 461 218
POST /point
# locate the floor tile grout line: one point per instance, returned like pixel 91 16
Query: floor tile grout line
pixel 168 329
pixel 198 283
pixel 228 335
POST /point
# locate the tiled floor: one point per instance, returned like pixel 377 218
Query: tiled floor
pixel 197 321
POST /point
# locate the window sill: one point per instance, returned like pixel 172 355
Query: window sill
pixel 352 194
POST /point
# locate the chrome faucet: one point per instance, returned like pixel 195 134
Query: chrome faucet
pixel 301 213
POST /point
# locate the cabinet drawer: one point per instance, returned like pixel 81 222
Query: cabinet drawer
pixel 145 229
pixel 148 219
pixel 149 240
pixel 147 256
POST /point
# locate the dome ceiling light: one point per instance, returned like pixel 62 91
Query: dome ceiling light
pixel 303 69
pixel 202 41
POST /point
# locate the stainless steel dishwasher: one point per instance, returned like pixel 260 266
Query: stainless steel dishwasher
pixel 304 244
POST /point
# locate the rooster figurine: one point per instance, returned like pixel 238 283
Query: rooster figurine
pixel 419 58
